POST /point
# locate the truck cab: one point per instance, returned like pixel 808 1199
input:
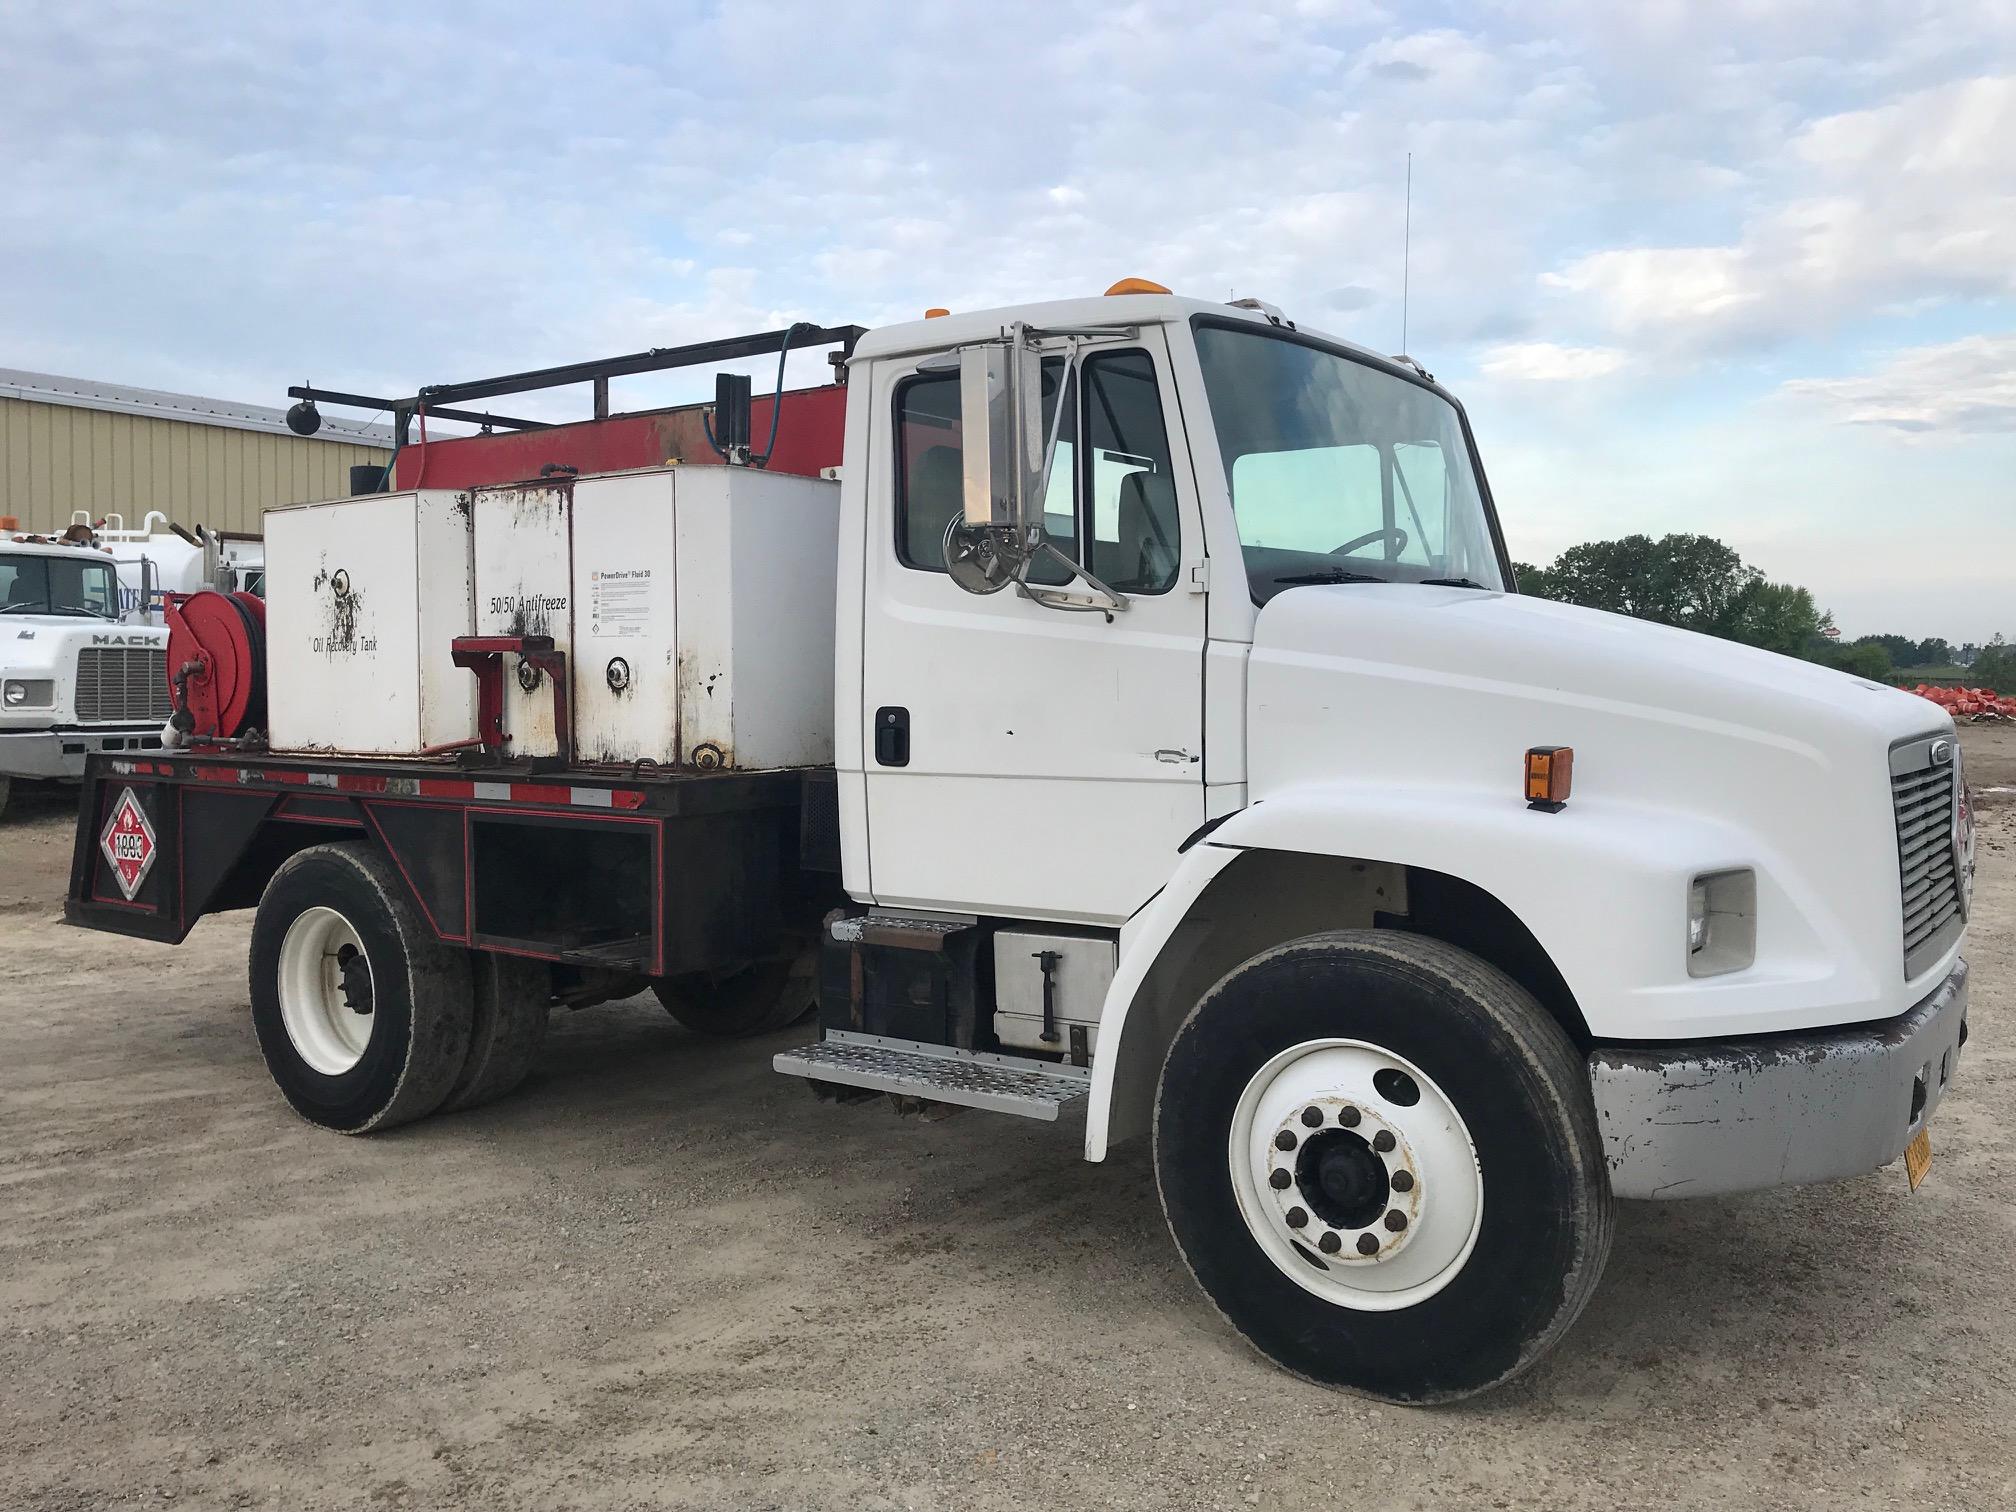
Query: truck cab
pixel 1271 718
pixel 74 679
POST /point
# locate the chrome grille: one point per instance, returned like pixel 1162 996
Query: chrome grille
pixel 1921 792
pixel 122 683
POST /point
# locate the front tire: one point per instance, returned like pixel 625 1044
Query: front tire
pixel 1379 1158
pixel 363 1016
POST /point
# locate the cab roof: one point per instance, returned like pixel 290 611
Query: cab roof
pixel 14 545
pixel 964 327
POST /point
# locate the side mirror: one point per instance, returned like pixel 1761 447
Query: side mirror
pixel 1001 433
pixel 998 532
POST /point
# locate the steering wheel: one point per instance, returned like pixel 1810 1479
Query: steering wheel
pixel 1399 537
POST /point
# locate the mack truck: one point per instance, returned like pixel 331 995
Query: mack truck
pixel 1118 712
pixel 79 674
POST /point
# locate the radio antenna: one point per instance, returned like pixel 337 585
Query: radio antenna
pixel 1406 250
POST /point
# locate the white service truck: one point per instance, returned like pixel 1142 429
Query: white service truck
pixel 75 676
pixel 1145 725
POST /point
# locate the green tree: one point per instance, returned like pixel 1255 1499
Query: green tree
pixel 1995 668
pixel 1696 582
pixel 1936 652
pixel 1900 649
pixel 1692 581
pixel 1537 582
pixel 1863 658
pixel 1779 617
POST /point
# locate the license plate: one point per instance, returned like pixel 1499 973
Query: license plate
pixel 1918 1157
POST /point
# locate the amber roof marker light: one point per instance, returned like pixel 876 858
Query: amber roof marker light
pixel 1550 772
pixel 1136 286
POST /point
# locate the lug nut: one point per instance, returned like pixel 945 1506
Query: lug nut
pixel 1348 1116
pixel 1403 1181
pixel 1329 1243
pixel 1367 1245
pixel 1383 1141
pixel 1297 1218
pixel 1280 1181
pixel 1285 1140
pixel 1395 1220
pixel 1312 1116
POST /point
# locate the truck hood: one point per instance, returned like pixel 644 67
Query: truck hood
pixel 1403 713
pixel 36 644
pixel 1563 667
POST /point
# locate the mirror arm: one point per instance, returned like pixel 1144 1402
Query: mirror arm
pixel 1080 333
pixel 1115 603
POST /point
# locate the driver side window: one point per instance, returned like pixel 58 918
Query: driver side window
pixel 931 478
pixel 1118 490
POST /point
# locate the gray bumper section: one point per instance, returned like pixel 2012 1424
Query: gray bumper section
pixel 1735 1115
pixel 61 753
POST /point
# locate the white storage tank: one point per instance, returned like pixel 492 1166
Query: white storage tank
pixel 695 606
pixel 363 597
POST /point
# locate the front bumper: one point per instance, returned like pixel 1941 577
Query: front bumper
pixel 61 753
pixel 1736 1115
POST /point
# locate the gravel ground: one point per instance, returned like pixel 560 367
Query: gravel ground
pixel 663 1276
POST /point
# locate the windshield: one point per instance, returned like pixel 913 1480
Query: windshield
pixel 57 585
pixel 1341 472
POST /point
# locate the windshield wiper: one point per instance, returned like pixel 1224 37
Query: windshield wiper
pixel 24 608
pixel 1327 575
pixel 1453 583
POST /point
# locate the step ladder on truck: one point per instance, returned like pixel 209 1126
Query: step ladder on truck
pixel 1119 707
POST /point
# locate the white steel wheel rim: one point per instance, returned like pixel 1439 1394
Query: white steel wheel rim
pixel 1326 1094
pixel 325 1031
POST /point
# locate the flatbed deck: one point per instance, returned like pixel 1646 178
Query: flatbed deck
pixel 650 870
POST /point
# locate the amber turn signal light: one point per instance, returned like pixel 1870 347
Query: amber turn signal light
pixel 1550 772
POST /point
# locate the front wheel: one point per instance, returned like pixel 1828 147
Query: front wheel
pixel 1379 1157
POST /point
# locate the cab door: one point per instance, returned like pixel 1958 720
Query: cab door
pixel 1018 759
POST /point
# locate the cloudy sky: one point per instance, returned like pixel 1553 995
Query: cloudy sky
pixel 1737 266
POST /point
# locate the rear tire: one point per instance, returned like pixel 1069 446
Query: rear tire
pixel 756 1000
pixel 1379 1157
pixel 508 1029
pixel 363 1016
pixel 6 788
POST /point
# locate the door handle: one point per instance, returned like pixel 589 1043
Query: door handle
pixel 892 737
pixel 1171 757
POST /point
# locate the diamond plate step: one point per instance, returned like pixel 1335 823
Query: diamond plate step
pixel 999 1083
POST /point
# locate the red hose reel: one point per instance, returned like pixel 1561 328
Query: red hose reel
pixel 217 663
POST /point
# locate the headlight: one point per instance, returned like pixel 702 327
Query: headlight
pixel 28 693
pixel 1721 922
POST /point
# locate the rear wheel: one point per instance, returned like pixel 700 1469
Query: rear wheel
pixel 755 1000
pixel 508 1028
pixel 1379 1157
pixel 364 1018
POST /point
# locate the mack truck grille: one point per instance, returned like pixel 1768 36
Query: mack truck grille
pixel 122 683
pixel 1921 791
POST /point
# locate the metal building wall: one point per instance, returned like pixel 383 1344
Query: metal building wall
pixel 56 458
